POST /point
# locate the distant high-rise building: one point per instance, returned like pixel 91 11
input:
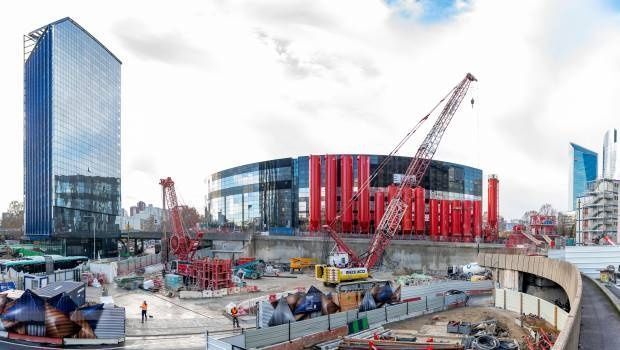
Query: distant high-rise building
pixel 583 169
pixel 72 144
pixel 611 170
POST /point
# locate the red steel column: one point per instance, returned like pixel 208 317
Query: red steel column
pixel 478 219
pixel 407 222
pixel 493 204
pixel 315 193
pixel 363 174
pixel 444 228
pixel 346 190
pixel 331 178
pixel 467 237
pixel 434 218
pixel 379 207
pixel 392 190
pixel 457 228
pixel 419 210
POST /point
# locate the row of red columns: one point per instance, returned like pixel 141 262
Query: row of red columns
pixel 346 189
pixel 449 220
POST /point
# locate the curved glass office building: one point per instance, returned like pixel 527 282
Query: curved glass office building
pixel 274 195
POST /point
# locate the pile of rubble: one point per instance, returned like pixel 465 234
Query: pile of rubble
pixel 541 334
pixel 485 335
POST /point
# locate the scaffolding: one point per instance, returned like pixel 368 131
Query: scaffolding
pixel 597 212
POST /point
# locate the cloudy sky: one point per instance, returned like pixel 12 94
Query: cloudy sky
pixel 207 85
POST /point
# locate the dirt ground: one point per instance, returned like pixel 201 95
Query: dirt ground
pixel 435 324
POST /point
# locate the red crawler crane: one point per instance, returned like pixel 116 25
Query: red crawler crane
pixel 395 210
pixel 181 243
pixel 205 273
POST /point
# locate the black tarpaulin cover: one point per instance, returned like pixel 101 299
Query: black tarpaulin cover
pixel 368 303
pixel 65 304
pixel 282 314
pixel 384 294
pixel 311 302
pixel 28 308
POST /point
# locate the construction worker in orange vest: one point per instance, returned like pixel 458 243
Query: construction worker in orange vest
pixel 234 313
pixel 144 307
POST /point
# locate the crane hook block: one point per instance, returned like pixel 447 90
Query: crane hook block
pixel 472 102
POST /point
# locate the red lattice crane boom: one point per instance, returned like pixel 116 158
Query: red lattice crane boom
pixel 181 243
pixel 395 211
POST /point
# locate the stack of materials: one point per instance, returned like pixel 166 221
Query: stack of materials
pixel 130 282
pixel 60 317
pixel 415 279
pixel 299 306
pixel 173 282
pixel 364 344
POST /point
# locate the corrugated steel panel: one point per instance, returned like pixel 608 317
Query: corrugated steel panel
pixel 215 344
pixel 338 319
pixel 396 311
pixel 375 316
pixel 313 325
pixel 111 324
pixel 265 312
pixel 417 306
pixel 255 338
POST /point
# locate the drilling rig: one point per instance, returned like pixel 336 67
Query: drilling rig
pixel 345 264
pixel 203 273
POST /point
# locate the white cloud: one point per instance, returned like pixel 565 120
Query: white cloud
pixel 283 78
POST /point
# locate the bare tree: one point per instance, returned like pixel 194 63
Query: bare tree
pixel 14 218
pixel 547 210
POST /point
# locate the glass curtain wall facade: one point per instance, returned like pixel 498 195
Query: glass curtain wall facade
pixel 274 195
pixel 72 111
pixel 583 169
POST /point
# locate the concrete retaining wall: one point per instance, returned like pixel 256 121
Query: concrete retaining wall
pixel 413 254
pixel 560 272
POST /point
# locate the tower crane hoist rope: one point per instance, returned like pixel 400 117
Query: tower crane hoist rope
pixel 395 211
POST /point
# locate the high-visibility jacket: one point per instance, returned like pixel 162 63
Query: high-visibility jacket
pixel 144 306
pixel 233 311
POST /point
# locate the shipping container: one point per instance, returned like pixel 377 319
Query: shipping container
pixel 75 290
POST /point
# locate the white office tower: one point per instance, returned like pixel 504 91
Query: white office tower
pixel 611 168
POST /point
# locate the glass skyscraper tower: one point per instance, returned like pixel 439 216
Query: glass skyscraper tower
pixel 611 170
pixel 72 151
pixel 583 169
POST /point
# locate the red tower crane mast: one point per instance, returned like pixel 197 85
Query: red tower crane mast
pixel 388 226
pixel 181 243
pixel 395 210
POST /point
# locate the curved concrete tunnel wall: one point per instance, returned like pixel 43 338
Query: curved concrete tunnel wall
pixel 564 274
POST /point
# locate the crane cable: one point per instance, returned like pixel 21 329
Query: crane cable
pixel 394 151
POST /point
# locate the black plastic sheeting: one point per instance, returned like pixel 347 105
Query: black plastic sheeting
pixel 59 317
pixel 28 308
pixel 310 302
pixel 368 303
pixel 282 314
pixel 385 294
pixel 65 304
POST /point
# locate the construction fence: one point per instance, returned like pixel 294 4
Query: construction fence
pixel 112 269
pixel 527 304
pixel 429 299
pixel 132 264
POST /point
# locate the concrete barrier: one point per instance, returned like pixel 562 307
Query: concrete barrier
pixel 564 274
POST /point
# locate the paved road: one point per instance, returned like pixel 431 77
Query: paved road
pixel 600 321
pixel 190 342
